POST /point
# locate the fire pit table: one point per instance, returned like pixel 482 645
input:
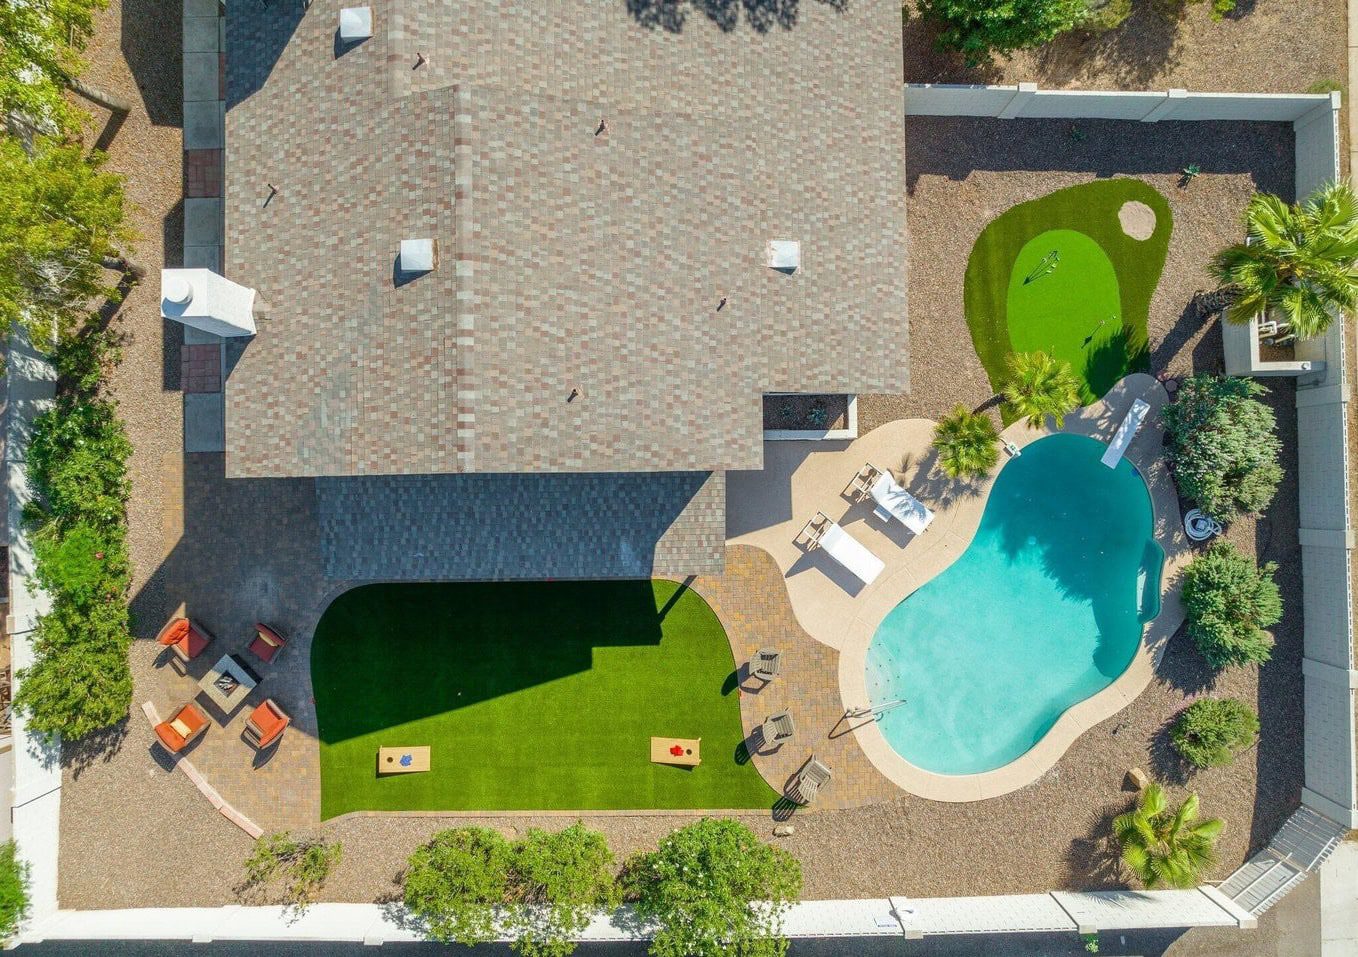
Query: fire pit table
pixel 228 682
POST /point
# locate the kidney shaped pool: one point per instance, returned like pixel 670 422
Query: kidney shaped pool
pixel 1044 609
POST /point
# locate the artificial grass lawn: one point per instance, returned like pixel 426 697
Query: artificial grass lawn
pixel 1089 308
pixel 533 696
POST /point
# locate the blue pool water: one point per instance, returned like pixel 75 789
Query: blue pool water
pixel 1044 609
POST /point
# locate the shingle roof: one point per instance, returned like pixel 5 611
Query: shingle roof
pixel 568 260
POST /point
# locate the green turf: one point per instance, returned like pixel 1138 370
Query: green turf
pixel 536 695
pixel 1091 305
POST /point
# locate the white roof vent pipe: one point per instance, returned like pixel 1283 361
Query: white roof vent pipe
pixel 355 23
pixel 204 300
pixel 785 255
pixel 419 255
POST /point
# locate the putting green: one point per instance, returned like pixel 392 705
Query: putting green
pixel 531 696
pixel 1062 275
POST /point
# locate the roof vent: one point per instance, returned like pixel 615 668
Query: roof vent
pixel 176 289
pixel 356 23
pixel 208 302
pixel 418 255
pixel 785 255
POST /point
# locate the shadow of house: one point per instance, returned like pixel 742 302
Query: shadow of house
pixel 760 15
pixel 254 44
pixel 153 55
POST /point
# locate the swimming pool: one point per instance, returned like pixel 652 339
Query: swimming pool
pixel 1044 609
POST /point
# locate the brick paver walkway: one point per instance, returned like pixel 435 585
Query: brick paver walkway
pixel 751 601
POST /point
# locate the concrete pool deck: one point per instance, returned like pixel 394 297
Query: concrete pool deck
pixel 838 611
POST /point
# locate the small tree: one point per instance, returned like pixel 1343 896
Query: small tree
pixel 980 28
pixel 1211 732
pixel 965 442
pixel 13 890
pixel 1040 385
pixel 560 880
pixel 1223 446
pixel 61 219
pixel 301 863
pixel 1299 263
pixel 454 883
pixel 1163 847
pixel 1230 601
pixel 715 889
pixel 40 46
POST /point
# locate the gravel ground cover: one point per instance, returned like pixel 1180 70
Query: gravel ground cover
pixel 134 836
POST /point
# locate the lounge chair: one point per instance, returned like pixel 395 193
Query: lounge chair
pixel 893 501
pixel 267 644
pixel 266 724
pixel 185 638
pixel 810 779
pixel 778 727
pixel 1125 433
pixel 843 548
pixel 766 664
pixel 182 729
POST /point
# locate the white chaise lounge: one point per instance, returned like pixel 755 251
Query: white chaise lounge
pixel 892 501
pixel 843 548
pixel 1125 433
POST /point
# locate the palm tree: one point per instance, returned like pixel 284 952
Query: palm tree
pixel 965 442
pixel 1163 847
pixel 1300 263
pixel 1040 385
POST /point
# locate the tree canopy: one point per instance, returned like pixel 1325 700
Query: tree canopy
pixel 61 217
pixel 1298 263
pixel 980 28
pixel 965 443
pixel 1166 847
pixel 714 889
pixel 1040 385
pixel 40 46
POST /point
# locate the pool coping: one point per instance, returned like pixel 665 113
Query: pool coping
pixel 1098 420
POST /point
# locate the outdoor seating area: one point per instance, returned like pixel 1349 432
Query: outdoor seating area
pixel 891 501
pixel 266 724
pixel 183 728
pixel 807 786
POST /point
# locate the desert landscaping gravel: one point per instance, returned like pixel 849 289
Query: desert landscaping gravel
pixel 135 836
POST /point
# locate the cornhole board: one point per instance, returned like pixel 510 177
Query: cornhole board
pixel 402 760
pixel 689 754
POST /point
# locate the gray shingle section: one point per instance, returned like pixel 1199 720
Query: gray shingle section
pixel 567 260
pixel 500 527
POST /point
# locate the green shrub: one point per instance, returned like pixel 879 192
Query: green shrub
pixel 13 890
pixel 980 28
pixel 1230 601
pixel 77 461
pixel 79 681
pixel 1106 15
pixel 453 883
pixel 1325 86
pixel 1223 445
pixel 965 443
pixel 1164 846
pixel 1210 732
pixel 301 864
pixel 561 879
pixel 699 885
pixel 80 565
pixel 84 360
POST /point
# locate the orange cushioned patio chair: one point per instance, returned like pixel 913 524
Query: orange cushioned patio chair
pixel 267 644
pixel 265 724
pixel 182 729
pixel 185 638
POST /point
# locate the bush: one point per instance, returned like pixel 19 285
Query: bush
pixel 79 682
pixel 699 885
pixel 561 879
pixel 1230 601
pixel 1210 732
pixel 1223 446
pixel 965 443
pixel 80 565
pixel 453 883
pixel 302 864
pixel 1106 15
pixel 980 28
pixel 13 890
